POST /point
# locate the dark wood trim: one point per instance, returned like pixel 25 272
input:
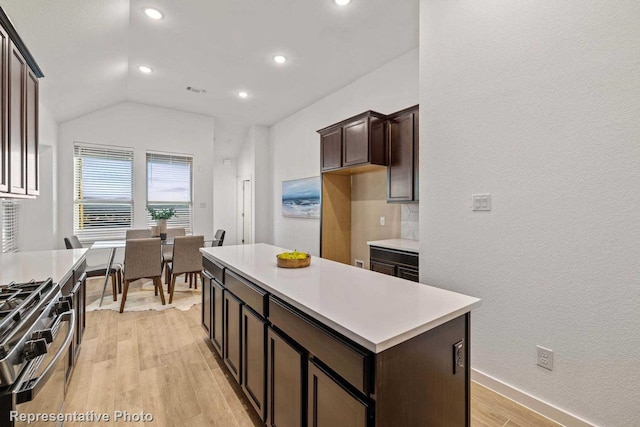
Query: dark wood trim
pixel 412 109
pixel 17 40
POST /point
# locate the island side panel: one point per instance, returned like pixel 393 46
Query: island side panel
pixel 415 384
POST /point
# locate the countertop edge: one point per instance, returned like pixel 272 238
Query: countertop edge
pixel 388 244
pixel 369 345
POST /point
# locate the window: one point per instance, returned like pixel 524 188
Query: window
pixel 9 219
pixel 103 192
pixel 169 185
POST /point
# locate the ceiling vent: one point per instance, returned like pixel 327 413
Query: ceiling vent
pixel 196 90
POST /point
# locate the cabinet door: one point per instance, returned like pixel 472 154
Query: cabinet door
pixel 331 149
pixel 254 330
pixel 31 136
pixel 205 318
pixel 409 274
pixel 17 160
pixel 285 382
pixel 232 342
pixel 217 330
pixel 330 404
pixel 416 156
pixel 356 142
pixel 4 142
pixel 382 267
pixel 400 170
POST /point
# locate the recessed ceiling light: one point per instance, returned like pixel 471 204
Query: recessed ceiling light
pixel 280 59
pixel 243 94
pixel 144 69
pixel 342 2
pixel 152 13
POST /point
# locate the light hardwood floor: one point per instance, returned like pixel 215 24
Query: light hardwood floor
pixel 159 362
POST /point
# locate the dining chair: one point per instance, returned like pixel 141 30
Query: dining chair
pixel 167 250
pixel 98 270
pixel 138 233
pixel 142 260
pixel 218 238
pixel 186 260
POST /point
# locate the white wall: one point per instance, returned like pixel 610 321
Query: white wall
pixel 37 226
pixel 254 165
pixel 224 198
pixel 141 127
pixel 537 104
pixel 295 145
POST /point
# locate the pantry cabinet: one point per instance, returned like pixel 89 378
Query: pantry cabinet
pixel 402 173
pixel 19 176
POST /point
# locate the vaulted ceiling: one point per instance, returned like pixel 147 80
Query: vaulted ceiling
pixel 89 51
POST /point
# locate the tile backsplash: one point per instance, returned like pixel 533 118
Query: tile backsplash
pixel 410 221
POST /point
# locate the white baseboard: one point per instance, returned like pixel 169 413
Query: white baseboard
pixel 533 403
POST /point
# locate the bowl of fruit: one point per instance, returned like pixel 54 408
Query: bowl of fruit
pixel 293 259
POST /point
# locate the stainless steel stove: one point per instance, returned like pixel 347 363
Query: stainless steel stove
pixel 36 334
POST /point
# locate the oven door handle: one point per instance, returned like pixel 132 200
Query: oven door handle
pixel 26 394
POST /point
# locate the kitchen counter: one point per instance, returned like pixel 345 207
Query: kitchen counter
pixel 407 245
pixel 374 310
pixel 39 265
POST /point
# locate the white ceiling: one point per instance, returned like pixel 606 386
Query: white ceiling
pixel 89 51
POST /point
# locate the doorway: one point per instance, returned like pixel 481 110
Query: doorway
pixel 245 212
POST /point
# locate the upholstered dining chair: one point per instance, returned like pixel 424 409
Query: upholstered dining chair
pixel 186 260
pixel 138 233
pixel 99 270
pixel 218 238
pixel 167 250
pixel 142 260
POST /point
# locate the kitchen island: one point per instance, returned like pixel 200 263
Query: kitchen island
pixel 332 344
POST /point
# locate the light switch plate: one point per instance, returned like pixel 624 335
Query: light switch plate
pixel 481 202
pixel 382 220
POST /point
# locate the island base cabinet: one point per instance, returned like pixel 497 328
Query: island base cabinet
pixel 286 382
pixel 232 343
pixel 217 330
pixel 205 320
pixel 330 404
pixel 253 359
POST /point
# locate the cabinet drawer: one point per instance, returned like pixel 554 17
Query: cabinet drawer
pixel 409 274
pixel 396 257
pixel 249 293
pixel 384 268
pixel 216 270
pixel 350 362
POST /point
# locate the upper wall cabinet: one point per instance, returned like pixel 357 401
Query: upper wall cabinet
pixel 355 142
pixel 402 173
pixel 19 176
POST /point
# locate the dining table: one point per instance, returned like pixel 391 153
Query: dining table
pixel 114 245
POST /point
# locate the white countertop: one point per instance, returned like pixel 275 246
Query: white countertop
pixel 375 310
pixel 399 244
pixel 39 265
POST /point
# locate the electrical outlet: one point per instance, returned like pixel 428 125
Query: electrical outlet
pixel 458 357
pixel 382 220
pixel 359 263
pixel 481 202
pixel 545 358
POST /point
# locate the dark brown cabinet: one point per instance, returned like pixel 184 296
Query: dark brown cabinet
pixel 402 173
pixel 286 379
pixel 358 141
pixel 207 309
pixel 4 140
pixel 330 404
pixel 331 149
pixel 393 262
pixel 19 176
pixel 254 330
pixel 232 326
pixel 217 330
pixel 78 302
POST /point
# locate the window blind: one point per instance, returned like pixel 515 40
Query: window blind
pixel 169 185
pixel 103 192
pixel 10 211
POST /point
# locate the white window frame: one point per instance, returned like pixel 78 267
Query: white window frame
pixel 92 234
pixel 184 210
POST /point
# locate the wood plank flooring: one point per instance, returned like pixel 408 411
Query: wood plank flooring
pixel 159 362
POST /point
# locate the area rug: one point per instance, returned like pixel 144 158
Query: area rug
pixel 141 297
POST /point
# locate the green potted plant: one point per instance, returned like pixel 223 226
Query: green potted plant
pixel 161 215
